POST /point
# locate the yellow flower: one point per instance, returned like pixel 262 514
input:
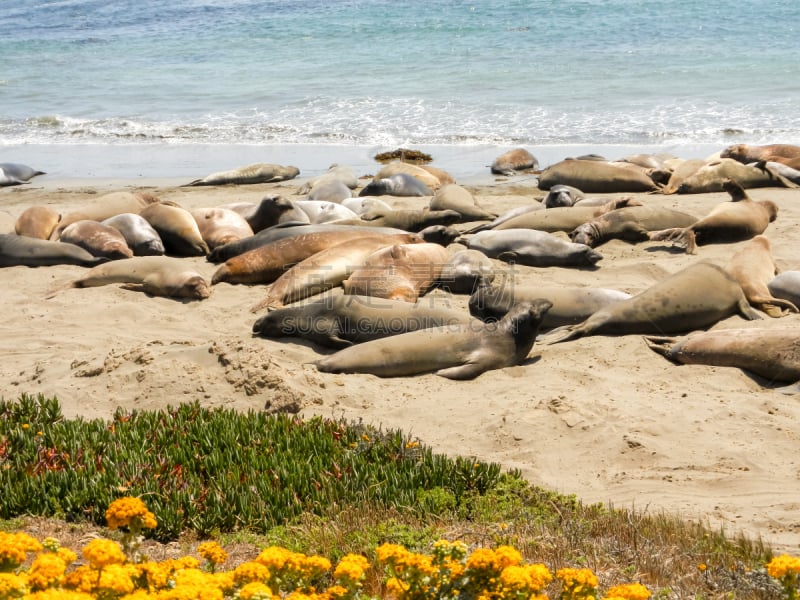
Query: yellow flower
pixel 115 579
pixel 351 568
pixel 129 512
pixel 274 557
pixel 249 572
pixel 14 547
pixel 577 583
pixel 628 591
pixel 12 585
pixel 212 552
pixel 702 566
pixel 525 578
pixel 783 565
pixel 46 571
pixel 255 591
pixel 67 555
pixel 102 553
pixel 59 594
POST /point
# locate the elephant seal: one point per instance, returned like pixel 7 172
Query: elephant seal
pixel 682 171
pixel 342 173
pixel 571 305
pixel 105 207
pixel 155 275
pixel 269 211
pixel 177 229
pixel 220 226
pixel 321 211
pixel 16 174
pixel 140 236
pixel 517 159
pixel 444 235
pixel 773 354
pixel 426 177
pixel 507 216
pixel 452 351
pixel 631 223
pixel 407 219
pixel 37 221
pixel 284 231
pixel 398 272
pixel 343 320
pixel 21 250
pixel 325 269
pixel 465 271
pixel 563 195
pixel 399 184
pixel 266 263
pixel 786 286
pixel 249 174
pixel 734 221
pixel 711 177
pixel 365 204
pixel 452 196
pixel 97 239
pixel 788 171
pixel 532 248
pixel 330 190
pixel 598 176
pixel 753 267
pixel 562 218
pixel 443 176
pixel 693 298
pixel 746 154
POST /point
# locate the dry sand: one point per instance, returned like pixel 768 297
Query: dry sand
pixel 604 418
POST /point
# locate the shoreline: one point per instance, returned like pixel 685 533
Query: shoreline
pixel 159 161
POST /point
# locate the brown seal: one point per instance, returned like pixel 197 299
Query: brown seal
pixel 156 275
pixel 517 159
pixel 455 197
pixel 37 221
pixel 97 239
pixel 734 221
pixel 711 177
pixel 398 272
pixel 325 269
pixel 560 218
pixel 745 153
pixel 453 351
pixel 598 176
pixel 268 212
pixel 105 207
pixel 407 219
pixel 266 263
pixel 693 298
pixel 773 354
pixel 220 226
pixel 753 267
pixel 177 229
pixel 632 224
pixel 249 174
pixel 424 176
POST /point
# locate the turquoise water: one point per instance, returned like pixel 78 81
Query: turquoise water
pixel 373 74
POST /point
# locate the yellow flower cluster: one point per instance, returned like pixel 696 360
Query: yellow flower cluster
pixel 628 591
pixel 577 584
pixel 781 566
pixel 212 552
pixel 350 570
pixel 102 553
pixel 14 548
pixel 129 512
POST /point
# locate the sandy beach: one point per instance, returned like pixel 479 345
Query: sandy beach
pixel 604 418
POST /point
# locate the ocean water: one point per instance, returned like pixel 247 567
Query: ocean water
pixel 139 87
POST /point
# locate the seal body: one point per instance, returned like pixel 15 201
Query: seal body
pixel 20 250
pixel 140 236
pixel 786 286
pixel 570 305
pixel 512 161
pixel 322 211
pixel 250 174
pixel 16 174
pixel 465 271
pixel 711 177
pixel 330 190
pixel 693 298
pixel 220 226
pixel 399 184
pixel 156 275
pixel 269 211
pixel 455 352
pixel 561 218
pixel 344 320
pixel 753 267
pixel 563 195
pixel 532 248
pixel 598 176
pixel 105 207
pixel 770 353
pixel 746 154
pixel 98 239
pixel 342 173
pixel 422 174
pixel 406 219
pixel 631 223
pixel 455 197
pixel 177 229
pixel 37 221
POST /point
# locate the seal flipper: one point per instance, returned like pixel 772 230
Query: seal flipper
pixel 663 345
pixel 573 332
pixel 747 311
pixel 462 372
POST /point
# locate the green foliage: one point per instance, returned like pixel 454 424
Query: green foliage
pixel 214 470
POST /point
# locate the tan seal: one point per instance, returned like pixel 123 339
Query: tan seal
pixel 512 161
pixel 37 221
pixel 98 239
pixel 598 176
pixel 453 351
pixel 220 226
pixel 455 197
pixel 734 221
pixel 250 174
pixel 754 267
pixel 105 207
pixel 177 228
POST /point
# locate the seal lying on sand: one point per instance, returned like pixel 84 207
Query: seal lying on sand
pixel 532 248
pixel 156 275
pixel 711 177
pixel 255 173
pixel 786 286
pixel 693 298
pixel 518 159
pixel 105 207
pixel 177 229
pixel 571 305
pixel 343 320
pixel 452 351
pixel 465 271
pixel 37 221
pixel 770 353
pixel 455 197
pixel 21 250
pixel 632 224
pixel 753 267
pixel 98 239
pixel 16 174
pixel 269 211
pixel 747 154
pixel 734 221
pixel 598 176
pixel 141 237
pixel 220 226
pixel 399 184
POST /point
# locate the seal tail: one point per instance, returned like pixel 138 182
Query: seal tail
pixel 569 333
pixel 683 235
pixel 661 344
pixel 270 303
pixel 57 290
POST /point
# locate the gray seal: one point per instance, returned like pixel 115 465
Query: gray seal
pixel 141 237
pixel 399 184
pixel 452 351
pixel 16 174
pixel 532 248
pixel 21 250
pixel 786 286
pixel 249 174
